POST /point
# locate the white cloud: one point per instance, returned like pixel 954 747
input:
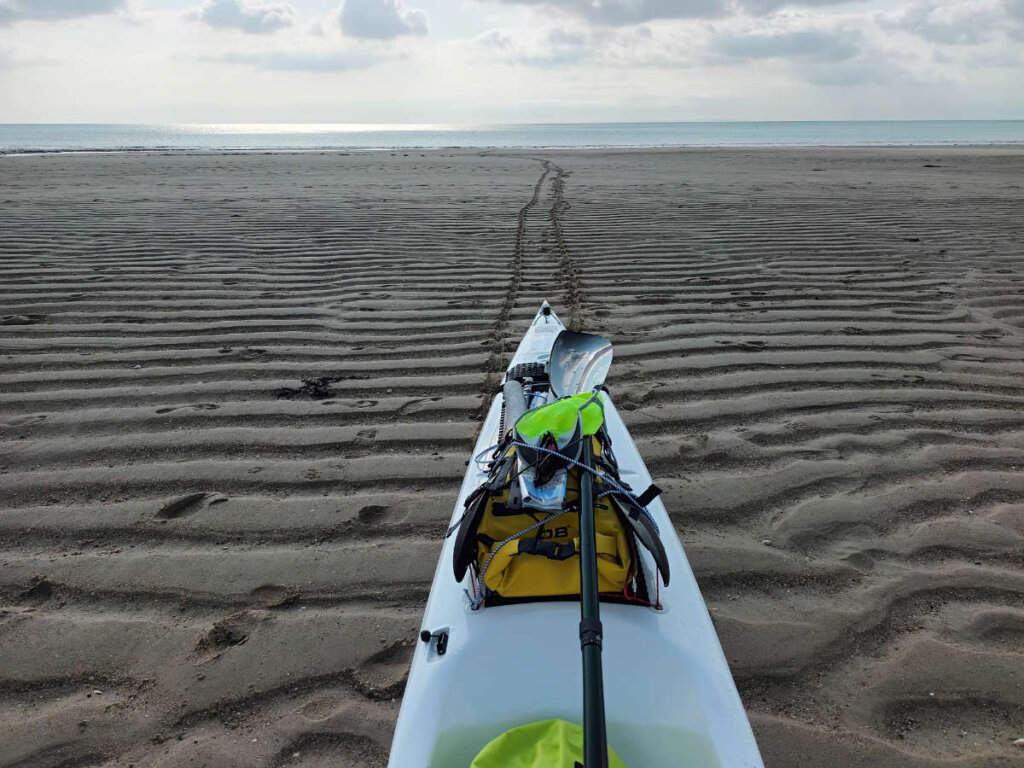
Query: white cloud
pixel 825 50
pixel 302 61
pixel 559 47
pixel 381 19
pixel 11 57
pixel 677 44
pixel 817 44
pixel 12 11
pixel 627 12
pixel 623 12
pixel 862 71
pixel 561 60
pixel 249 16
pixel 952 23
pixel 762 7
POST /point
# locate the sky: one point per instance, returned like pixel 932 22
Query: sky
pixel 486 61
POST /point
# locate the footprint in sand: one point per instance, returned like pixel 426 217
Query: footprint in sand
pixel 25 421
pixel 371 513
pixel 189 505
pixel 696 445
pixel 752 346
pixel 743 346
pixel 227 633
pixel 320 709
pixel 365 437
pixel 407 406
pixel 383 675
pixel 21 319
pixel 330 748
pixel 270 596
pixel 39 591
pixel 194 406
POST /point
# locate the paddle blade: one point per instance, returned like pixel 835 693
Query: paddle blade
pixel 579 363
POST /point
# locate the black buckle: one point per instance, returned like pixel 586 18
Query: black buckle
pixel 552 550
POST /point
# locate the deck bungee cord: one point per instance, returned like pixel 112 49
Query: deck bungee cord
pixel 616 488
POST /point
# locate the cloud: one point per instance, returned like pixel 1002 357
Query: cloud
pixel 495 40
pixel 626 12
pixel 302 61
pixel 764 7
pixel 853 73
pixel 623 12
pixel 381 19
pixel 832 55
pixel 618 48
pixel 249 16
pixel 11 57
pixel 808 43
pixel 559 47
pixel 963 23
pixel 12 11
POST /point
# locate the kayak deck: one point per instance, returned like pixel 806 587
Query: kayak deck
pixel 669 697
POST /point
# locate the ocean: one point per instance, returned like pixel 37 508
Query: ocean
pixel 68 137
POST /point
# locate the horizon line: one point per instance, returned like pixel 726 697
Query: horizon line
pixel 378 125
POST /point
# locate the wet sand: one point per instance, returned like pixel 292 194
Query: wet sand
pixel 206 561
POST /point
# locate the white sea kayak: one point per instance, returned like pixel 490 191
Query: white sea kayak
pixel 670 701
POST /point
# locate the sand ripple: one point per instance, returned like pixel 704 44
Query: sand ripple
pixel 237 394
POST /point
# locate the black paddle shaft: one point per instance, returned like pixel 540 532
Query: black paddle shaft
pixel 595 740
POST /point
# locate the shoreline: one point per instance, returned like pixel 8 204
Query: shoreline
pixel 498 148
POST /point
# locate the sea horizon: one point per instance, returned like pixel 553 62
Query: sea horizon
pixel 32 138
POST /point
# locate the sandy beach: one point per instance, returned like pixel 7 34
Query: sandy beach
pixel 237 394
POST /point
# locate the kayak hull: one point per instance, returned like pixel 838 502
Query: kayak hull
pixel 669 697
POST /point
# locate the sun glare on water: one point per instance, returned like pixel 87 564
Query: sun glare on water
pixel 298 128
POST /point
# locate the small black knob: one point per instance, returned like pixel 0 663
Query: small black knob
pixel 442 640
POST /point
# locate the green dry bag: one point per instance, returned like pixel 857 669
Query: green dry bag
pixel 549 744
pixel 559 418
